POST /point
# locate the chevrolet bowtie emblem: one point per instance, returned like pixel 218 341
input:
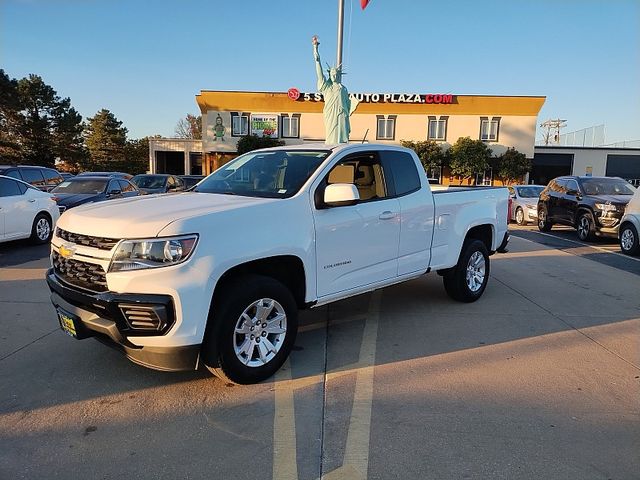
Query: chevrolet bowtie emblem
pixel 66 251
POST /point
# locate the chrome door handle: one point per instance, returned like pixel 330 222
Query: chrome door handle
pixel 388 215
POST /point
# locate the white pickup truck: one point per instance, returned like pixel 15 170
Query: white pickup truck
pixel 216 275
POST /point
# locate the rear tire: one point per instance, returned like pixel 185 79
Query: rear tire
pixel 544 225
pixel 255 327
pixel 467 281
pixel 42 229
pixel 520 216
pixel 629 241
pixel 585 227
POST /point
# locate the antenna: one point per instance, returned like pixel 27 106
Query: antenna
pixel 552 125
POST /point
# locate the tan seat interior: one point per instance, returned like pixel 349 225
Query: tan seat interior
pixel 342 174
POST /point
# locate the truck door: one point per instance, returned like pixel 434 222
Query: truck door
pixel 416 211
pixel 357 245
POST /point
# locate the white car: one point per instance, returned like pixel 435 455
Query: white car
pixel 630 226
pixel 216 275
pixel 524 203
pixel 25 212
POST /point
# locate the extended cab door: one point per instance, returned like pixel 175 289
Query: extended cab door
pixel 416 210
pixel 357 244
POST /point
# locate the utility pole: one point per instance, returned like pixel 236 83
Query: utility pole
pixel 552 125
pixel 340 28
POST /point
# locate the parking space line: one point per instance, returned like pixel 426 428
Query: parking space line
pixel 355 464
pixel 285 465
pixel 595 247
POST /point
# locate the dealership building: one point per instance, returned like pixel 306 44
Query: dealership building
pixel 296 118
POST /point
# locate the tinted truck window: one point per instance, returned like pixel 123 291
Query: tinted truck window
pixel 404 171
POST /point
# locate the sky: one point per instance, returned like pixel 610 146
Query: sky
pixel 146 60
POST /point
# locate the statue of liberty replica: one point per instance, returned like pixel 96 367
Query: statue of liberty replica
pixel 337 104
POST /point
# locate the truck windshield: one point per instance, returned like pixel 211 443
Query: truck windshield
pixel 270 174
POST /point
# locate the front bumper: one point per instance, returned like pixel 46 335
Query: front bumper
pixel 100 315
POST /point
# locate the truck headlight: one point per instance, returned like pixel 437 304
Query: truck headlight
pixel 152 253
pixel 605 207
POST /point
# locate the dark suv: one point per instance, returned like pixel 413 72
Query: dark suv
pixel 42 178
pixel 592 205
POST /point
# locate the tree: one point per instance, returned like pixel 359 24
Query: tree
pixel 512 165
pixel 10 106
pixel 136 156
pixel 469 157
pixel 430 153
pixel 105 139
pixel 249 143
pixel 189 127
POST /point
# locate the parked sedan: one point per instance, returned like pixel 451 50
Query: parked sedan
pixel 158 183
pixel 592 205
pixel 524 203
pixel 630 226
pixel 80 190
pixel 25 212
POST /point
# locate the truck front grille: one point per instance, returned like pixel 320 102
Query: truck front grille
pixel 96 242
pixel 81 274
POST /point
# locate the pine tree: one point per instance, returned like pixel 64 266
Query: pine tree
pixel 105 139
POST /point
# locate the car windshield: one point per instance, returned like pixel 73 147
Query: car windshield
pixel 529 192
pixel 81 185
pixel 149 181
pixel 270 174
pixel 607 186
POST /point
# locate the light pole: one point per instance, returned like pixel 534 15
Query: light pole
pixel 340 28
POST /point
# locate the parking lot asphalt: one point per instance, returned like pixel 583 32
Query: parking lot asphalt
pixel 538 379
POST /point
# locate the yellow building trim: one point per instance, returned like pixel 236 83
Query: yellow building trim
pixel 274 102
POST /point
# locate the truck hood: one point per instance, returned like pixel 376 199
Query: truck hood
pixel 146 216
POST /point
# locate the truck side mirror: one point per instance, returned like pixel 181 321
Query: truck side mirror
pixel 341 194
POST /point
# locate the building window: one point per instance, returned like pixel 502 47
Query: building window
pixel 437 128
pixel 290 125
pixel 386 127
pixel 485 178
pixel 489 129
pixel 239 124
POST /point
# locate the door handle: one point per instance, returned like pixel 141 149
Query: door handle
pixel 31 200
pixel 387 215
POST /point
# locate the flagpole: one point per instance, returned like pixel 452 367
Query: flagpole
pixel 340 28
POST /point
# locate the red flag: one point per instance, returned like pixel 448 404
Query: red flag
pixel 364 3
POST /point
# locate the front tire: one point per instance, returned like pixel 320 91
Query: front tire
pixel 629 241
pixel 257 320
pixel 42 229
pixel 544 225
pixel 520 216
pixel 585 227
pixel 467 281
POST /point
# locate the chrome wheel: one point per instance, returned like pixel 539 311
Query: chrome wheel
pixel 43 229
pixel 260 332
pixel 584 226
pixel 627 239
pixel 476 271
pixel 519 216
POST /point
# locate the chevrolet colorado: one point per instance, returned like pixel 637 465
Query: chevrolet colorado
pixel 216 275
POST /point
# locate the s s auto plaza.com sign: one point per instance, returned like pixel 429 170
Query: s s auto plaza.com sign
pixel 437 98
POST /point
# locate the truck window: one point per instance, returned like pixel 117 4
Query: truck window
pixel 403 170
pixel 365 172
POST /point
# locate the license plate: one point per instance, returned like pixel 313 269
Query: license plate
pixel 67 323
